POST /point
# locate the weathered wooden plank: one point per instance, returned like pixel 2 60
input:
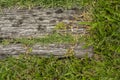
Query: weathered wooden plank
pixel 23 23
pixel 16 23
pixel 45 50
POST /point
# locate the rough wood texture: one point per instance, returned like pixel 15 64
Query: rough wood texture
pixel 45 50
pixel 38 22
pixel 16 23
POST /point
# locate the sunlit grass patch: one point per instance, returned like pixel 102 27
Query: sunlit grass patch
pixel 52 38
pixel 43 3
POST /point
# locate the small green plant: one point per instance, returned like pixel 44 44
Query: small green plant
pixel 60 26
pixel 5 42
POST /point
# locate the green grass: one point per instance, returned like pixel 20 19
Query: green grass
pixel 52 38
pixel 34 68
pixel 105 27
pixel 42 3
pixel 104 36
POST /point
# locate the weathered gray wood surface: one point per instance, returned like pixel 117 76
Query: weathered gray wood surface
pixel 24 23
pixel 16 23
pixel 45 50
